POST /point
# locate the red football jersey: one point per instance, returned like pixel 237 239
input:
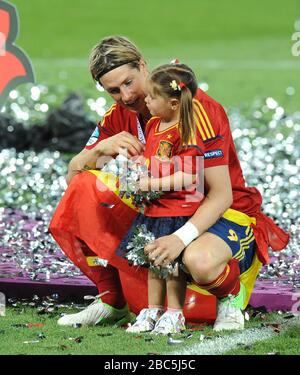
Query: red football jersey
pixel 164 157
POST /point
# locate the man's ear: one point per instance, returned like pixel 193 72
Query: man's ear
pixel 143 66
pixel 174 104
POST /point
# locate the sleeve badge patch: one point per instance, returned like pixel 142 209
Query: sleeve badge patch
pixel 213 154
pixel 94 137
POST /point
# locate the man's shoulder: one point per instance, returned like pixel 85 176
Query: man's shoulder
pixel 117 117
pixel 117 109
pixel 206 100
pixel 210 116
pixel 112 110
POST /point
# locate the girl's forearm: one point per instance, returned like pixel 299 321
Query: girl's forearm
pixel 177 181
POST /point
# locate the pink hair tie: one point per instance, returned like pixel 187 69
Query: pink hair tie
pixel 181 85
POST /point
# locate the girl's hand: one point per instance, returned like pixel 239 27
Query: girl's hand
pixel 164 250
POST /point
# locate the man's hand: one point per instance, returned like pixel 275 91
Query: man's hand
pixel 120 143
pixel 164 250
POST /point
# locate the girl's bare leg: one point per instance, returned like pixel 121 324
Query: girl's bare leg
pixel 156 291
pixel 176 288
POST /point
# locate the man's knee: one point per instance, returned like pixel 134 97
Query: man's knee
pixel 199 264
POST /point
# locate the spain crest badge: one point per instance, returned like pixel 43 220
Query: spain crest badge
pixel 164 149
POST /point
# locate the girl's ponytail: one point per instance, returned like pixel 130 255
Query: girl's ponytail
pixel 186 121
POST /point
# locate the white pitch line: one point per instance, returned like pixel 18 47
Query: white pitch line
pixel 209 64
pixel 220 345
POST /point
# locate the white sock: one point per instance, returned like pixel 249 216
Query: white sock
pixel 174 311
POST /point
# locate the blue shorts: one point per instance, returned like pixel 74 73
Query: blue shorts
pixel 239 238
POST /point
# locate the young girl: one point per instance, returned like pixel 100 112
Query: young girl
pixel 172 157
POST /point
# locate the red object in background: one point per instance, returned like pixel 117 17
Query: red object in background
pixel 15 67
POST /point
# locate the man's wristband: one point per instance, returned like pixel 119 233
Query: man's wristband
pixel 187 233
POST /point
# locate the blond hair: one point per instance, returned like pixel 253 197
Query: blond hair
pixel 178 81
pixel 112 52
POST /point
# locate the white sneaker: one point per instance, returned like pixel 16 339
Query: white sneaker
pixel 145 321
pixel 229 314
pixel 170 322
pixel 97 313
